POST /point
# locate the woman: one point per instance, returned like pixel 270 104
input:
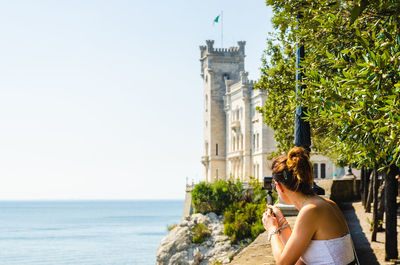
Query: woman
pixel 320 234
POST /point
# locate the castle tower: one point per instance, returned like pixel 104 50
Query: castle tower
pixel 217 66
pixel 237 143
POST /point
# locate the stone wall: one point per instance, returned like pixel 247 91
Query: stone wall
pixel 341 190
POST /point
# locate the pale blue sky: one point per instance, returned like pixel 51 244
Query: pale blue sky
pixel 103 99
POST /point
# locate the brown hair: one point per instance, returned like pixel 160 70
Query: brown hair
pixel 294 171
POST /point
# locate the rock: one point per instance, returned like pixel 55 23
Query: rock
pixel 198 218
pixel 177 240
pixel 213 217
pixel 177 248
pixel 179 258
pixel 198 257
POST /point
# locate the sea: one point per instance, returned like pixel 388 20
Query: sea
pixel 84 232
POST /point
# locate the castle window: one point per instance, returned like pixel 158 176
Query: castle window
pixel 226 77
pixel 258 142
pixel 216 149
pixel 206 105
pixel 323 169
pixel 315 170
pixel 206 148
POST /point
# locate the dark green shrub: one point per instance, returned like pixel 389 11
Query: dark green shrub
pixel 229 215
pixel 216 197
pixel 200 232
pixel 246 222
pixel 256 229
pixel 226 193
pixel 242 208
pixel 202 198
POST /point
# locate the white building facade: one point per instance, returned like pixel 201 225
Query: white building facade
pixel 236 141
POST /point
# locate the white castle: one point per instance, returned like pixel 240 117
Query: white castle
pixel 236 141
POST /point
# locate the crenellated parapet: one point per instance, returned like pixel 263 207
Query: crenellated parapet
pixel 209 49
pixel 245 80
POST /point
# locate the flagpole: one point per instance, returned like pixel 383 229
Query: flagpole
pixel 222 29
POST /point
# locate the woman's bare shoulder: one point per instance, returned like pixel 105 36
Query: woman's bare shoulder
pixel 331 203
pixel 309 210
pixel 317 207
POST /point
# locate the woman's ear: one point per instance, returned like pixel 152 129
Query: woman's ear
pixel 279 187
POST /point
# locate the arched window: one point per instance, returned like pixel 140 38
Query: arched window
pixel 226 77
pixel 323 171
pixel 258 142
pixel 315 170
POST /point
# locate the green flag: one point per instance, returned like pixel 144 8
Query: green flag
pixel 216 20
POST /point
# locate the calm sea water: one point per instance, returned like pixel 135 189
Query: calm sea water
pixel 84 232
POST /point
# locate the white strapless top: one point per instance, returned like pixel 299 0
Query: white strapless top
pixel 337 251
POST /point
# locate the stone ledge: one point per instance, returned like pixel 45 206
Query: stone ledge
pixel 259 252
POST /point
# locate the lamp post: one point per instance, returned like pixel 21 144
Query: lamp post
pixel 349 173
pixel 301 128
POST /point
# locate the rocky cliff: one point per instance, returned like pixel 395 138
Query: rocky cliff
pixel 177 247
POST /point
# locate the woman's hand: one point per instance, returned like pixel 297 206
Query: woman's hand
pixel 269 221
pixel 278 214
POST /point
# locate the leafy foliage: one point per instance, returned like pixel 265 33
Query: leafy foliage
pixel 352 75
pixel 200 232
pixel 243 220
pixel 216 197
pixel 352 66
pixel 278 80
pixel 242 208
pixel 170 227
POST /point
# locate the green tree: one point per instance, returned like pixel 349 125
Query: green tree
pixel 351 68
pixel 278 80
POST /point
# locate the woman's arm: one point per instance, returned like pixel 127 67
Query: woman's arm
pixel 300 262
pixel 298 240
pixel 285 232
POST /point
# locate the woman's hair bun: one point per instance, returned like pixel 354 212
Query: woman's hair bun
pixel 299 162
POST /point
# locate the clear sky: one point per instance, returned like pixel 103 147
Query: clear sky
pixel 103 99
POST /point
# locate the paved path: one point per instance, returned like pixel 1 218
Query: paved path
pixel 368 252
